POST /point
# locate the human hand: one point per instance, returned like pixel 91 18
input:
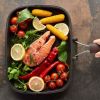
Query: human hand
pixel 97 41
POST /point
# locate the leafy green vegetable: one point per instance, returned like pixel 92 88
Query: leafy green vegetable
pixel 24 15
pixel 26 68
pixel 31 32
pixel 30 36
pixel 62 46
pixel 20 85
pixel 14 71
pixel 62 55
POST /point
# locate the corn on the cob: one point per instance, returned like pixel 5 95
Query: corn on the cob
pixel 41 13
pixel 56 32
pixel 53 19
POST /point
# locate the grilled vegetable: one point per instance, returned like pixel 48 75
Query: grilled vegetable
pixel 52 54
pixel 27 76
pixel 48 69
pixel 56 32
pixel 41 13
pixel 53 19
pixel 51 57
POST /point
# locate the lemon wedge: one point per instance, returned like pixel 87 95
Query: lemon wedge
pixel 38 25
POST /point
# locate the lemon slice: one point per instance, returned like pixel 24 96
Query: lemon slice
pixel 36 84
pixel 38 25
pixel 62 27
pixel 17 52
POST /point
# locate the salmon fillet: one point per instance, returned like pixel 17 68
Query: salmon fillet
pixel 44 50
pixel 34 47
pixel 39 50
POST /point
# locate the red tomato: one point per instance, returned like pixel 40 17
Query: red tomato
pixel 13 28
pixel 14 20
pixel 60 68
pixel 47 78
pixel 21 34
pixel 59 83
pixel 23 25
pixel 52 85
pixel 54 76
pixel 64 75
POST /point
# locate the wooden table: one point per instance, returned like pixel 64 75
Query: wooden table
pixel 85 16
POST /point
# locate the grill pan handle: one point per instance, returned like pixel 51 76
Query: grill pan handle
pixel 74 38
pixel 74 47
pixel 92 48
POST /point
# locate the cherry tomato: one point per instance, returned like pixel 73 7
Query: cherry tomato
pixel 13 28
pixel 14 20
pixel 21 34
pixel 23 25
pixel 64 75
pixel 52 85
pixel 47 78
pixel 54 76
pixel 59 83
pixel 60 68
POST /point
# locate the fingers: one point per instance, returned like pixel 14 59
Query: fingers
pixel 97 41
pixel 97 55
